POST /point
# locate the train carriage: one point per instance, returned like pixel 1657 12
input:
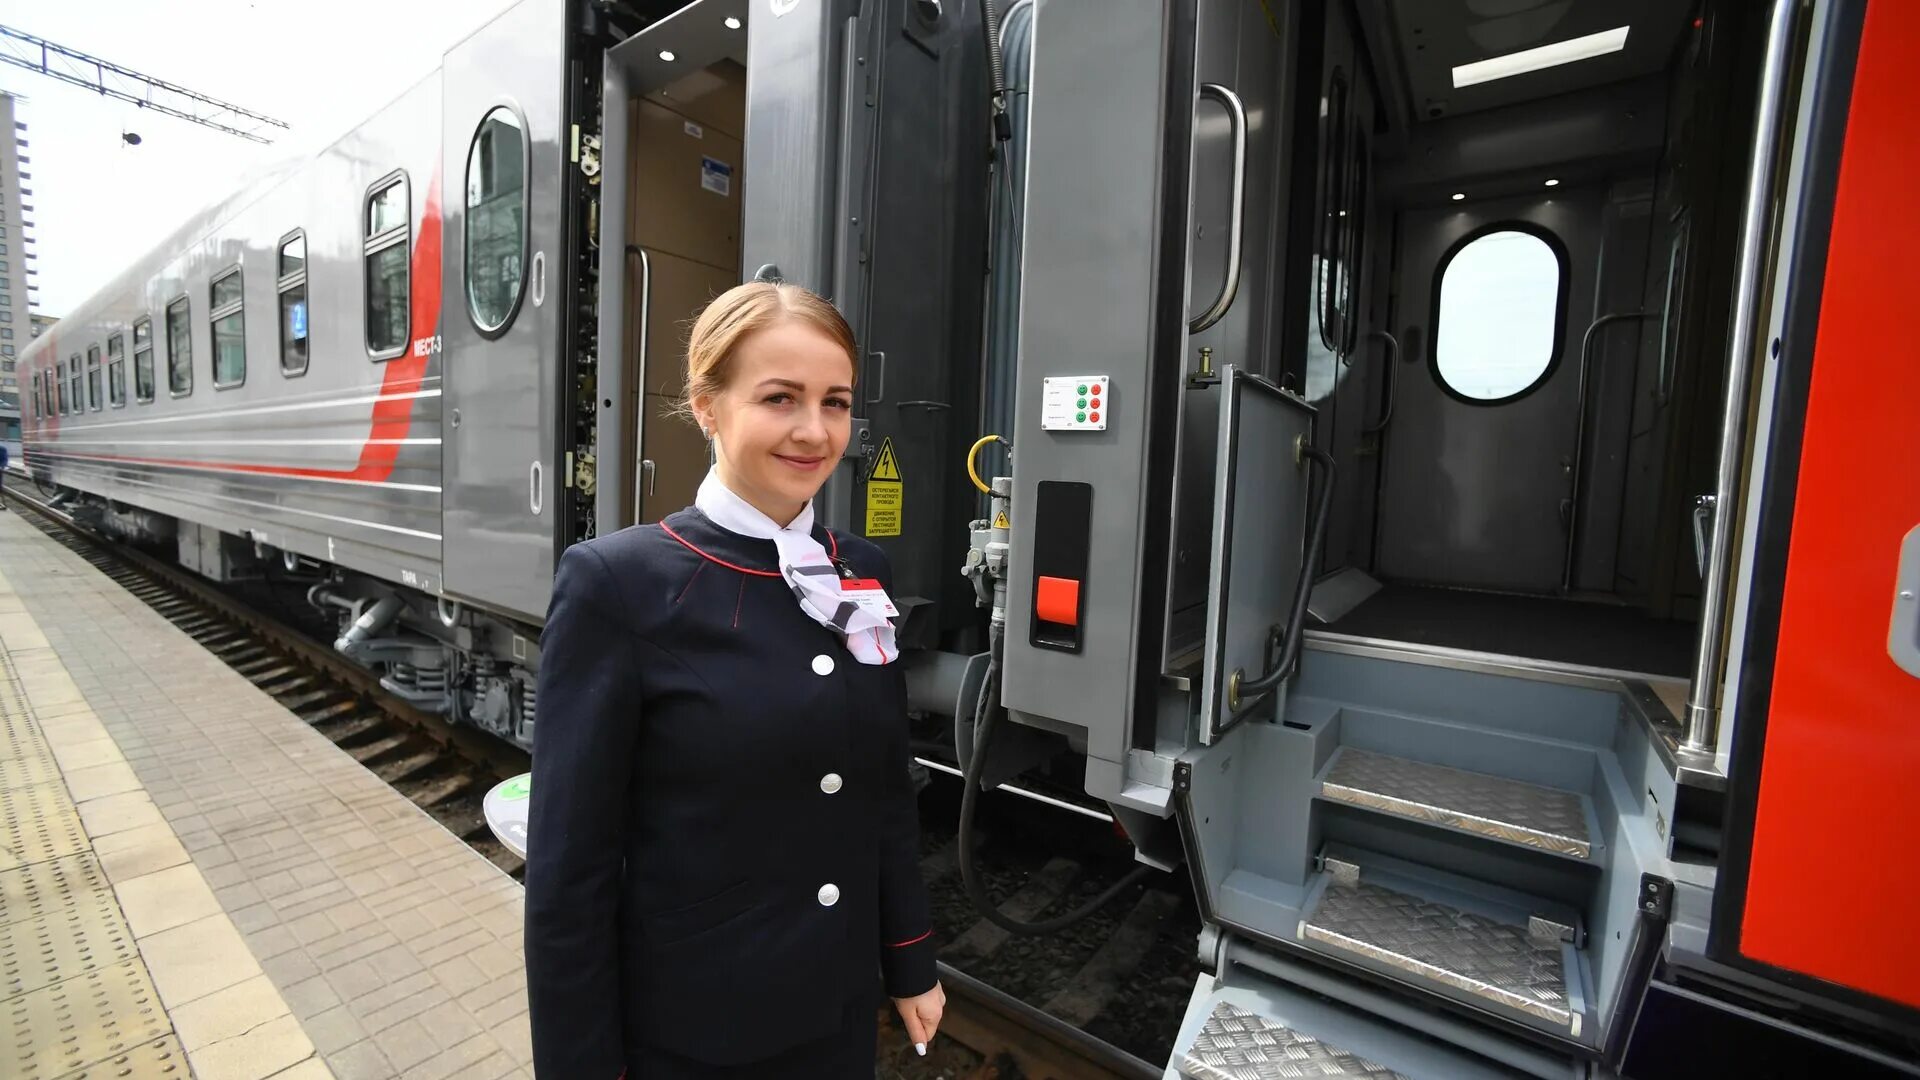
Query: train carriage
pixel 1457 517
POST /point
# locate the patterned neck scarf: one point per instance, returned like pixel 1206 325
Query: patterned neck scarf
pixel 806 568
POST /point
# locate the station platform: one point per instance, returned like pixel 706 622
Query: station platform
pixel 193 883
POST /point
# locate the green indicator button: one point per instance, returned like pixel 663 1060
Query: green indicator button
pixel 1083 403
pixel 1080 417
pixel 1083 389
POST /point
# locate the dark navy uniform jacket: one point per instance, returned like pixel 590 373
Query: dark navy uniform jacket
pixel 722 852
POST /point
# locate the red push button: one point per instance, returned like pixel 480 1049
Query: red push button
pixel 1057 600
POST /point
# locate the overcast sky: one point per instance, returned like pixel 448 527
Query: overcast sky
pixel 321 67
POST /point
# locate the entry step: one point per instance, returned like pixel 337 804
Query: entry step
pixel 1520 965
pixel 1239 1044
pixel 1547 818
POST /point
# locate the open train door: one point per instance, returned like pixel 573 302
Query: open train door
pixel 506 138
pixel 1817 888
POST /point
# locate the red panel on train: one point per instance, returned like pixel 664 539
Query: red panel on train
pixel 1834 878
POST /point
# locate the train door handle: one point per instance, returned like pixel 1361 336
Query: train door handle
pixel 536 490
pixel 1236 225
pixel 539 288
pixel 1903 636
pixel 642 487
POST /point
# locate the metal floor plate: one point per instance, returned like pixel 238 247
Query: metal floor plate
pixel 98 1016
pixel 1492 960
pixel 1540 817
pixel 1237 1044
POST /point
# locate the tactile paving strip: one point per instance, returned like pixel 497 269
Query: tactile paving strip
pixel 38 823
pixel 25 757
pixel 52 948
pixel 87 1019
pixel 1540 817
pixel 43 888
pixel 161 1059
pixel 1491 960
pixel 1237 1044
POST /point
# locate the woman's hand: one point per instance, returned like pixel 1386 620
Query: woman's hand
pixel 922 1016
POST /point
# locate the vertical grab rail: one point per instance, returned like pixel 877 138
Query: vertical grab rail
pixel 644 471
pixel 1703 697
pixel 1393 365
pixel 1237 116
pixel 1580 439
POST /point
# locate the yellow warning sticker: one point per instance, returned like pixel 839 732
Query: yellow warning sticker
pixel 888 466
pixel 1000 521
pixel 886 492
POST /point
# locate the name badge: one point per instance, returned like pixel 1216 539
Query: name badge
pixel 867 593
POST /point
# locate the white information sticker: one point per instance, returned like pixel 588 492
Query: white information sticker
pixel 867 593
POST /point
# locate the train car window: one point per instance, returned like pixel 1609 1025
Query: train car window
pixel 76 404
pixel 228 319
pixel 143 361
pixel 117 371
pixel 386 254
pixel 292 285
pixel 36 395
pixel 179 348
pixel 496 221
pixel 93 378
pixel 1501 299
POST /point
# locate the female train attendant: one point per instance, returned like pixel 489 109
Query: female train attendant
pixel 722 871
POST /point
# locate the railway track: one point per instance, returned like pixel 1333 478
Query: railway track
pixel 446 770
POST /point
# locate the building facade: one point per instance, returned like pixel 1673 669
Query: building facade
pixel 17 326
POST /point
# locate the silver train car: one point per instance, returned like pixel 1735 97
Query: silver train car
pixel 376 370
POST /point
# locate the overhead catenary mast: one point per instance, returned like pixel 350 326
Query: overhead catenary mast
pixel 108 79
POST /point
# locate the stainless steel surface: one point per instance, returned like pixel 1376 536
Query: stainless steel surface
pixel 1580 431
pixel 1236 227
pixel 1545 929
pixel 1260 525
pixel 1527 814
pixel 1903 630
pixel 1433 942
pixel 507 386
pixel 1703 507
pixel 1340 592
pixel 1754 270
pixel 1238 1044
pixel 1392 368
pixel 1472 494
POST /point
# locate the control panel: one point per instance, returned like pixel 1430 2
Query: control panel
pixel 1074 403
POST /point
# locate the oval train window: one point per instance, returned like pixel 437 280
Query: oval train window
pixel 496 220
pixel 1496 330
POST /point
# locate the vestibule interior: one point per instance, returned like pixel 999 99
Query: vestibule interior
pixel 685 124
pixel 1516 328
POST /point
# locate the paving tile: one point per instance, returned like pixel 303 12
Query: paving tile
pixel 406 1044
pixel 334 1030
pixel 314 1068
pixel 361 1061
pixel 84 755
pixel 165 899
pixel 118 813
pixel 464 1059
pixel 189 962
pixel 259 1053
pixel 310 997
pixel 224 1014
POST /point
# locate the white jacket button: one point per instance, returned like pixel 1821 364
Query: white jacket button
pixel 829 894
pixel 830 783
pixel 823 664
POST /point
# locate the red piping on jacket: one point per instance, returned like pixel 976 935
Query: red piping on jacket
pixel 668 529
pixel 911 941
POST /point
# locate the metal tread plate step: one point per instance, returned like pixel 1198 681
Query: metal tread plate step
pixel 1239 1044
pixel 1486 959
pixel 1549 819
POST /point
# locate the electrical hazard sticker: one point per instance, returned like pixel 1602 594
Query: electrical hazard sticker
pixel 1000 521
pixel 886 491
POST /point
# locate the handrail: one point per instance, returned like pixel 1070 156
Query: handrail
pixel 1237 115
pixel 1703 698
pixel 1393 367
pixel 1580 437
pixel 643 469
